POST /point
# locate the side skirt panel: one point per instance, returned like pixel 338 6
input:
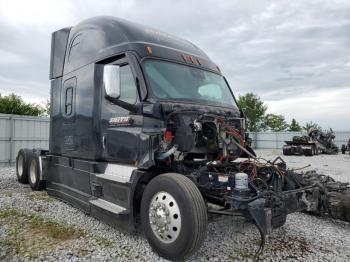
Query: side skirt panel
pixel 97 188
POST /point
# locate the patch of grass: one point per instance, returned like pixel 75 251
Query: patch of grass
pixel 11 243
pixel 54 229
pixel 31 234
pixel 14 213
pixel 40 196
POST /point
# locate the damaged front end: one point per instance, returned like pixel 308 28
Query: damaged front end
pixel 208 148
pixel 265 192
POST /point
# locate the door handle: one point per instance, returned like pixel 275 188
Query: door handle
pixel 103 142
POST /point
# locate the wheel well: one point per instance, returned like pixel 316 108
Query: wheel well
pixel 143 180
pixel 144 177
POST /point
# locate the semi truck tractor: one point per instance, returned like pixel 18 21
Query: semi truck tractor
pixel 145 134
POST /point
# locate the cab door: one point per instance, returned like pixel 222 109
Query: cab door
pixel 119 130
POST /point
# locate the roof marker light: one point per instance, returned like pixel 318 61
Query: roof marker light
pixel 149 50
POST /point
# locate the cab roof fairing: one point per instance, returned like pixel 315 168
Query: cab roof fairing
pixel 99 38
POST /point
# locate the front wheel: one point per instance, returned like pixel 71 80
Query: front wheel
pixel 173 216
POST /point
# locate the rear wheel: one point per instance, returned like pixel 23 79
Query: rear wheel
pixel 173 216
pixel 22 165
pixel 35 169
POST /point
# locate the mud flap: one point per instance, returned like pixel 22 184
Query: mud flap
pixel 262 215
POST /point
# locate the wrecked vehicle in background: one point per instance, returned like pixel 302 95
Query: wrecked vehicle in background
pixel 316 142
pixel 145 133
pixel 345 147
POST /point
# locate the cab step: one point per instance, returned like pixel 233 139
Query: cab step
pixel 106 205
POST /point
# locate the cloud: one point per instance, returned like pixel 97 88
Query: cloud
pixel 324 107
pixel 285 51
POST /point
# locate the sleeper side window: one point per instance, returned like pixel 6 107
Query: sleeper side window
pixel 69 101
pixel 68 97
pixel 128 90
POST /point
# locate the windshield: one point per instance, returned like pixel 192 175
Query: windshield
pixel 171 81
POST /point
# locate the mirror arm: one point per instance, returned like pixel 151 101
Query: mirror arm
pixel 125 105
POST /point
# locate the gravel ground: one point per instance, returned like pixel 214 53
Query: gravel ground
pixel 302 238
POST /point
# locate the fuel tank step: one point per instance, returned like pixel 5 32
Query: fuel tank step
pixel 113 208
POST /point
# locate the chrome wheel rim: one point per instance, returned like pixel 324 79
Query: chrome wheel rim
pixel 32 171
pixel 20 165
pixel 165 217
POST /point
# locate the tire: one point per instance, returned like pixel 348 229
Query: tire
pixel 286 151
pixel 22 165
pixel 34 172
pixel 185 210
pixel 298 150
pixel 308 152
pixel 316 151
pixel 343 149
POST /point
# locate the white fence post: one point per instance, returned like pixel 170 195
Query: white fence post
pixel 11 121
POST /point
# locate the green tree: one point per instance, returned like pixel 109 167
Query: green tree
pixel 254 109
pixel 313 125
pixel 47 107
pixel 275 123
pixel 14 104
pixel 294 126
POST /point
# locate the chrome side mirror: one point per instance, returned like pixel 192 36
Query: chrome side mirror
pixel 111 81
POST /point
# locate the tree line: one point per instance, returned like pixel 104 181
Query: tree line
pixel 14 104
pixel 257 119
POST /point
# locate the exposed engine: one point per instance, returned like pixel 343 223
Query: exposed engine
pixel 196 137
pixel 206 148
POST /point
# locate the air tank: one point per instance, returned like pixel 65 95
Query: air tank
pixel 241 181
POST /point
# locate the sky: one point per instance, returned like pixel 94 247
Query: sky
pixel 294 54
